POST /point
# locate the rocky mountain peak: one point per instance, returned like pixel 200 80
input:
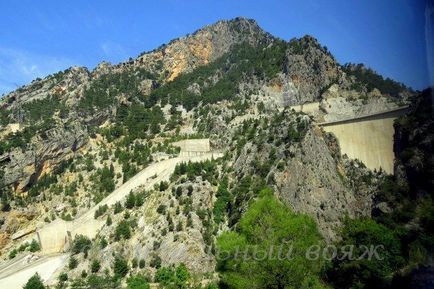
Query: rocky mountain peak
pixel 240 24
pixel 199 48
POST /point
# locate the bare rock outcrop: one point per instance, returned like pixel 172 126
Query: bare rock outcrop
pixel 22 167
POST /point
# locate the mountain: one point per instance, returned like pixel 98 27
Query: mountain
pixel 162 156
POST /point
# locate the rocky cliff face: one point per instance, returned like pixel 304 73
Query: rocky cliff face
pixel 202 47
pixel 42 155
pixel 311 69
pixel 304 166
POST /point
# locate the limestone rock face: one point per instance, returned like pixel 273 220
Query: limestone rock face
pixel 310 70
pixel 64 85
pixel 339 103
pixel 311 184
pixel 314 179
pixel 200 48
pixel 24 167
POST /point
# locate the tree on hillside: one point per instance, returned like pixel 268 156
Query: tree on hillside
pixel 269 248
pixel 120 267
pixel 366 273
pixel 35 282
pixel 137 282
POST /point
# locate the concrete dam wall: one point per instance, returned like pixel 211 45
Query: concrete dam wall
pixel 368 139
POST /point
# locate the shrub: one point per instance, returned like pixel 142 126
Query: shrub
pixel 163 186
pixel 118 208
pixel 181 276
pixel 365 273
pixel 73 263
pixel 100 282
pixel 165 275
pixel 34 246
pixel 120 267
pixel 142 263
pixel 13 254
pixel 156 262
pixel 103 243
pixel 179 226
pixel 137 282
pixel 63 277
pixel 35 282
pixel 161 209
pixel 81 244
pixel 100 211
pixel 173 277
pixel 109 221
pixel 123 230
pixel 223 200
pixel 130 201
pixel 95 266
pixel 134 263
pixel 140 199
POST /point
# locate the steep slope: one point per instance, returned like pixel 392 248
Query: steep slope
pixel 90 98
pixel 70 140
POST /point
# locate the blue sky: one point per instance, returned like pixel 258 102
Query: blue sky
pixel 41 37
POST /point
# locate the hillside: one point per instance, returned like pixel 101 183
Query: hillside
pixel 94 166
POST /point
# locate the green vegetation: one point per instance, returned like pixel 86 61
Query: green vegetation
pixel 130 201
pixel 95 266
pixel 50 181
pixel 4 117
pixel 221 206
pixel 63 277
pixel 80 244
pixel 44 109
pixel 206 169
pixel 120 267
pixel 33 246
pixel 142 263
pixel 13 253
pixel 366 273
pixel 17 140
pixel 38 114
pixel 372 80
pixel 103 182
pixel 117 208
pixel 73 263
pixel 102 91
pixel 35 282
pixel 243 61
pixel 163 186
pixel 123 230
pixel 100 211
pixel 137 282
pixel 267 227
pixel 139 121
pixel 95 282
pixel 175 278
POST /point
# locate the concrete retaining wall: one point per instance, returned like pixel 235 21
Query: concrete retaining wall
pixel 195 146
